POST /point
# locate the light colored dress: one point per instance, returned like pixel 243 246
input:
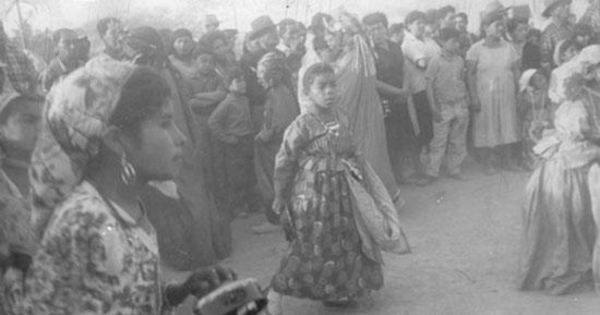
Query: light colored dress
pixel 497 122
pixel 94 259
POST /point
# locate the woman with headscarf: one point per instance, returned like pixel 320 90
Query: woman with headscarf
pixel 108 131
pixel 281 108
pixel 560 249
pixel 352 58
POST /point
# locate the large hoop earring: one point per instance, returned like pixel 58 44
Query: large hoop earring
pixel 127 171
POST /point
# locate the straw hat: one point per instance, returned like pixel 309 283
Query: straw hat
pixel 492 10
pixel 550 5
pixel 260 26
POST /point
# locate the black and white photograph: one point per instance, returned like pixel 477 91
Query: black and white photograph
pixel 299 157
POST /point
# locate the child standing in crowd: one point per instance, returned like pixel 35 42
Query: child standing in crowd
pixel 207 86
pixel 535 111
pixel 329 260
pixel 19 124
pixel 447 96
pixel 66 60
pixel 281 108
pixel 231 126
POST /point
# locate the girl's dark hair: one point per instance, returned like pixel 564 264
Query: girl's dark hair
pixel 142 95
pixel 313 71
pixel 208 39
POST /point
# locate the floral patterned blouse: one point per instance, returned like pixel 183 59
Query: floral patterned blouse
pixel 94 259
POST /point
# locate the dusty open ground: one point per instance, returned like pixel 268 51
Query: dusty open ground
pixel 465 240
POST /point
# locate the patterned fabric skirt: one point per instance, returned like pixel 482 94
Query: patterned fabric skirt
pixel 325 261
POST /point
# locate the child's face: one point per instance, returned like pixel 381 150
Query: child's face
pixel 323 90
pixel 452 45
pixel 238 86
pixel 67 46
pixel 205 63
pixel 183 46
pixel 539 81
pixel 22 126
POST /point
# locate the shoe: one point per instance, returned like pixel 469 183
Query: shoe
pixel 266 228
pixel 458 176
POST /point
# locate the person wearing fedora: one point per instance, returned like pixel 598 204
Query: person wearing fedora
pixel 264 37
pixel 211 23
pixel 559 29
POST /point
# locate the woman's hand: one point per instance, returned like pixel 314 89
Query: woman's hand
pixel 206 280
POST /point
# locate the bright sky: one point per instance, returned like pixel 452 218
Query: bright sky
pixel 234 13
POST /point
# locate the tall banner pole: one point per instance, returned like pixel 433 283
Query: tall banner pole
pixel 18 4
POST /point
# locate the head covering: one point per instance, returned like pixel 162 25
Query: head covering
pixel 526 78
pixel 569 79
pixel 211 19
pixel 260 26
pixel 550 5
pixel 76 114
pixel 493 11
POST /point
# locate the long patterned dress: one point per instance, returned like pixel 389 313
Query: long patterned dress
pixel 326 261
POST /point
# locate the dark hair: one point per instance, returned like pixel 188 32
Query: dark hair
pixel 202 49
pixel 582 29
pixel 146 41
pixel 283 25
pixel 513 23
pixel 317 23
pixel 462 15
pixel 102 25
pixel 182 32
pixel 413 16
pixel 374 18
pixel 448 33
pixel 431 16
pixel 396 28
pixel 58 34
pixel 313 71
pixel 533 33
pixel 443 11
pixel 208 39
pixel 17 101
pixel 143 94
pixel 234 74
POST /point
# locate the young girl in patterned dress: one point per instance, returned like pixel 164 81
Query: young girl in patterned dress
pixel 329 260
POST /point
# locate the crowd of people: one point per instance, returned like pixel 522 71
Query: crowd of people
pixel 118 165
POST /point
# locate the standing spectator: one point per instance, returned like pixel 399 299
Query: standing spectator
pixel 231 126
pixel 281 108
pixel 446 16
pixel 461 22
pixel 517 29
pixel 263 37
pixel 66 60
pixel 218 43
pixel 211 23
pixel 389 62
pixel 532 51
pixel 492 69
pixel 292 46
pixel 560 28
pixel 182 45
pixel 418 51
pixel 591 17
pixel 16 70
pixel 113 36
pixel 396 33
pixel 447 95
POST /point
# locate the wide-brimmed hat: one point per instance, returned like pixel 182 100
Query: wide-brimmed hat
pixel 492 10
pixel 260 26
pixel 550 5
pixel 211 19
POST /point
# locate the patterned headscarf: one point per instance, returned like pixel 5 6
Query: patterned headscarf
pixel 75 115
pixel 568 80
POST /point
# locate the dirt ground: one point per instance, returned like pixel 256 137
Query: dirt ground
pixel 465 240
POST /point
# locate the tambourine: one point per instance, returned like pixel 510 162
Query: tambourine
pixel 241 297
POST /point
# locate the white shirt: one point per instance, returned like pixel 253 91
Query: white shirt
pixel 415 49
